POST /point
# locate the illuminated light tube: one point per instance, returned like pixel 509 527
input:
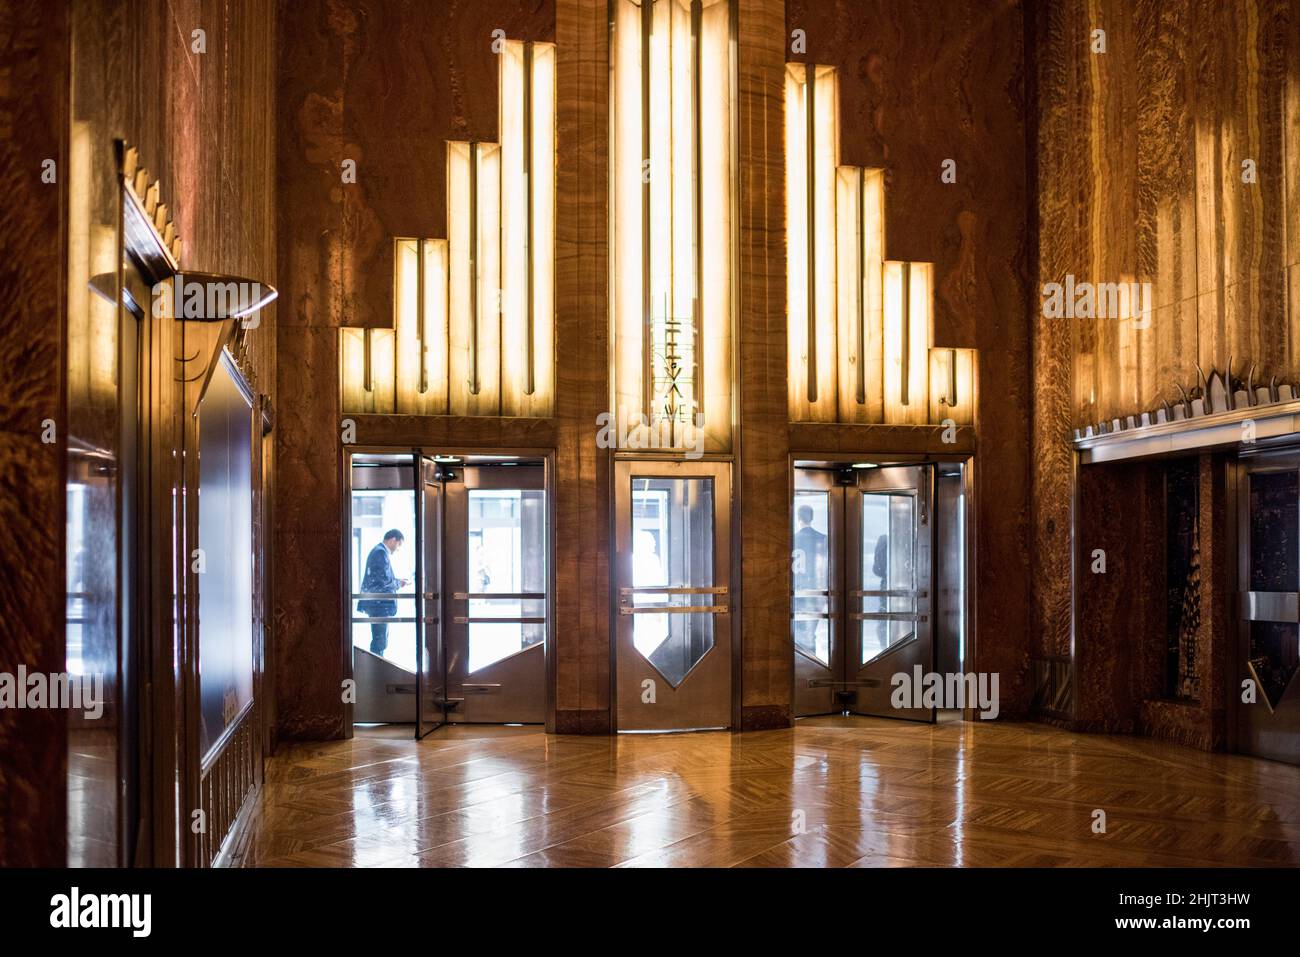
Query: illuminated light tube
pixel 812 187
pixel 474 246
pixel 672 181
pixel 860 244
pixel 420 321
pixel 952 385
pixel 383 370
pixel 527 127
pixel 907 334
pixel 352 370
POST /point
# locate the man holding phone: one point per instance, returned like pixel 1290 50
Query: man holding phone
pixel 379 579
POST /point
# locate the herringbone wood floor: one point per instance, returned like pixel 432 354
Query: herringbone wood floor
pixel 830 792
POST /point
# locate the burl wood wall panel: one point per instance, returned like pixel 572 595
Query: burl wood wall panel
pixel 384 84
pixel 1121 627
pixel 919 84
pixel 582 533
pixel 34 118
pixel 763 481
pixel 1139 171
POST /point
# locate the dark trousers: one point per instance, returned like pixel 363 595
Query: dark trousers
pixel 378 637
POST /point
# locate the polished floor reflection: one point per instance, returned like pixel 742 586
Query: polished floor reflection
pixel 831 792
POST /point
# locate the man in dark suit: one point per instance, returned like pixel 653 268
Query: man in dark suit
pixel 379 579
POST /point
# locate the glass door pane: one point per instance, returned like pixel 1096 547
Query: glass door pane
pixel 506 555
pixel 810 568
pixel 383 573
pixel 888 576
pixel 672 548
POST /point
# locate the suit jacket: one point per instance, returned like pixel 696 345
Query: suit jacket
pixel 379 577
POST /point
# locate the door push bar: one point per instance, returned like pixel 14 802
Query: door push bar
pixel 672 590
pixel 505 595
pixel 626 608
pixel 887 616
pixel 489 620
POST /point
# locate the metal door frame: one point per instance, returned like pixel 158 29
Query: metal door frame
pixel 429 601
pixel 922 491
pixel 835 604
pixel 970 519
pixel 1239 472
pixel 545 456
pixel 725 547
pixel 455 602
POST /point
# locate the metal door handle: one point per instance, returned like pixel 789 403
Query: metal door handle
pixel 508 595
pixel 1270 606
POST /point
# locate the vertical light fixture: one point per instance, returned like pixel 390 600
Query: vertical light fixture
pixel 527 127
pixel 672 172
pixel 812 155
pixel 474 246
pixel 907 342
pixel 859 250
pixel 952 385
pixel 420 321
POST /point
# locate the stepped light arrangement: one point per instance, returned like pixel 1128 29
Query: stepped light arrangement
pixel 860 327
pixel 474 314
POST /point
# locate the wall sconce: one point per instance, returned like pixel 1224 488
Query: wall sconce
pixel 672 181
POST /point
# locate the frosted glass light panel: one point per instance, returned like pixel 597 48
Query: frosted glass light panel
pixel 952 385
pixel 812 154
pixel 473 218
pixel 908 306
pixel 672 278
pixel 527 128
pixel 860 254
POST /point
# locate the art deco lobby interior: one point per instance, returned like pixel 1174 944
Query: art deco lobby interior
pixel 650 433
